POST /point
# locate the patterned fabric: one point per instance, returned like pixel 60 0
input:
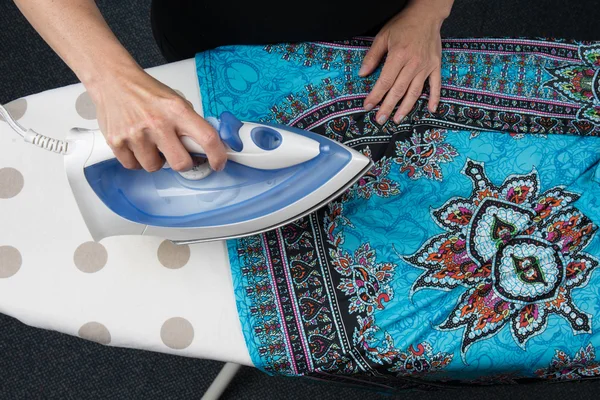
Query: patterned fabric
pixel 467 255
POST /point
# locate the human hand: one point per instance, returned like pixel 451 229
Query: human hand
pixel 140 117
pixel 412 42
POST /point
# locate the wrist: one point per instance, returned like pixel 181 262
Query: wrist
pixel 435 10
pixel 109 73
pixel 111 85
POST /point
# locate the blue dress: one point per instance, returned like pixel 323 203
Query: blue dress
pixel 467 255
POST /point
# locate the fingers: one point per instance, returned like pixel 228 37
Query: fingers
pixel 413 55
pixel 176 154
pixel 410 98
pixel 435 87
pixel 403 82
pixel 140 146
pixel 397 91
pixel 147 118
pixel 170 144
pixel 147 154
pixel 374 55
pixel 126 157
pixel 388 77
pixel 141 152
pixel 206 136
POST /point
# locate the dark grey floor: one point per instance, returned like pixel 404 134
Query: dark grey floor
pixel 36 364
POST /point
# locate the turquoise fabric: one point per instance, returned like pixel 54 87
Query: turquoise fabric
pixel 468 253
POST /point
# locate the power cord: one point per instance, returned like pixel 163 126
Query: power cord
pixel 31 136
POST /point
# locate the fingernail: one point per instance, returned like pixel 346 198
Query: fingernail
pixel 382 118
pixel 362 70
pixel 369 107
pixel 399 119
pixel 435 106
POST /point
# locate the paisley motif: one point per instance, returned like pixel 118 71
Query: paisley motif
pixel 423 154
pixel 518 254
pixel 366 282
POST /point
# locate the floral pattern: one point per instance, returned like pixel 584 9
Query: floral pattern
pixel 419 360
pixel 330 296
pixel 581 82
pixel 322 55
pixel 366 284
pixel 375 181
pixel 518 253
pixel 565 367
pixel 423 153
pixel 365 281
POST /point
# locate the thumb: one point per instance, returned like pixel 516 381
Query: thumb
pixel 205 135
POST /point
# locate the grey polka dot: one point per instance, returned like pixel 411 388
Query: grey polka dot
pixel 90 257
pixel 96 332
pixel 16 109
pixel 177 333
pixel 11 183
pixel 10 261
pixel 85 106
pixel 173 256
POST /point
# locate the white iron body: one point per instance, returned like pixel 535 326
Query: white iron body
pixel 89 148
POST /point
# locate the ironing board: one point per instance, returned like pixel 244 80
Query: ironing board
pixel 137 292
pixel 505 105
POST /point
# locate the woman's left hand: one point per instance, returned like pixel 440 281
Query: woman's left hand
pixel 413 45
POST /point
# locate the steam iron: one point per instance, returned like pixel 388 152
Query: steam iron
pixel 274 175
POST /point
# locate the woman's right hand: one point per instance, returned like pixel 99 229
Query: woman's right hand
pixel 140 117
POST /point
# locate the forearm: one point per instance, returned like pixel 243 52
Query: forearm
pixel 78 33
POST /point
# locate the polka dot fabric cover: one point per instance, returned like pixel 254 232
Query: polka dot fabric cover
pixel 139 292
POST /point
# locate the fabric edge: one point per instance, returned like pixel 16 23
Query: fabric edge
pixel 204 80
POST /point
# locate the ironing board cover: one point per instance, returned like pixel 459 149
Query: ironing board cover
pixel 467 255
pixel 138 292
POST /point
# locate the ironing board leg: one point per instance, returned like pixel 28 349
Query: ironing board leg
pixel 221 381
